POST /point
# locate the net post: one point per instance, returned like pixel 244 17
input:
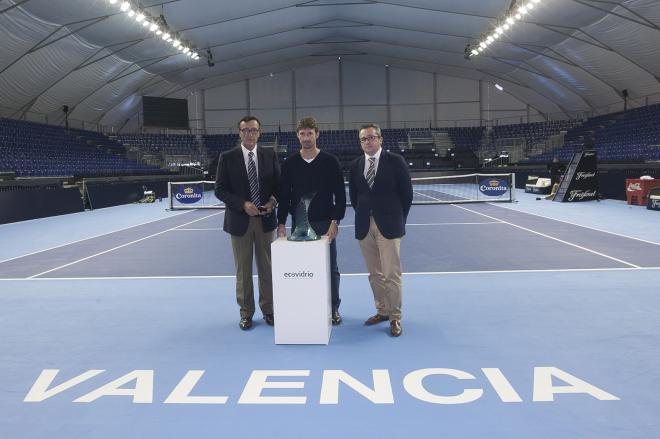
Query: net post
pixel 513 187
pixel 169 194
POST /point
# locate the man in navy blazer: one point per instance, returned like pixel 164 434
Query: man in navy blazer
pixel 381 194
pixel 247 181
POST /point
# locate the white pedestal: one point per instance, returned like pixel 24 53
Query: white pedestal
pixel 301 291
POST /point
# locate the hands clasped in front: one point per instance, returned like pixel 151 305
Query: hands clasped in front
pixel 252 210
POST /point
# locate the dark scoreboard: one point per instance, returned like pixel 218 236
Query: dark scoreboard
pixel 165 112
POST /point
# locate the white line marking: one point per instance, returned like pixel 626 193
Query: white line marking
pixel 421 273
pixel 197 230
pixel 121 246
pixel 551 237
pixel 575 224
pixel 548 236
pixel 91 237
pixel 441 224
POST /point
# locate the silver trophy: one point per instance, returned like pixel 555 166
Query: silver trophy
pixel 303 231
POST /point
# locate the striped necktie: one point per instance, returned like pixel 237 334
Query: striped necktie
pixel 371 172
pixel 254 181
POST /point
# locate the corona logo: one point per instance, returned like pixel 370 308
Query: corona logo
pixel 188 194
pixel 493 187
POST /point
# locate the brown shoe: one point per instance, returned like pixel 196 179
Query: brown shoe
pixel 376 319
pixel 245 323
pixel 269 319
pixel 395 328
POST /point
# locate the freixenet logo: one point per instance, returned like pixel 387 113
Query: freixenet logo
pixel 584 175
pixel 188 194
pixel 581 195
pixel 302 274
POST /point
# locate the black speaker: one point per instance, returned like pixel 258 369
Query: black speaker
pixel 624 92
pixel 65 109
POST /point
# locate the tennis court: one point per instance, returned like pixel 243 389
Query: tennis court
pixel 528 319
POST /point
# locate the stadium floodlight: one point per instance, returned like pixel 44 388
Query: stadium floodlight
pixel 112 2
pixel 158 25
pixel 499 87
pixel 505 23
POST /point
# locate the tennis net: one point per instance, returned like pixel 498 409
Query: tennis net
pixel 193 195
pixel 468 188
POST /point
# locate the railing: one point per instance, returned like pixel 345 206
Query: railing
pixel 58 120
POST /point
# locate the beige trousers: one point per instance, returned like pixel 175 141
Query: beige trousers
pixel 255 242
pixel 383 260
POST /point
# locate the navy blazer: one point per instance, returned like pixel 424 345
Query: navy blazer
pixel 233 188
pixel 388 201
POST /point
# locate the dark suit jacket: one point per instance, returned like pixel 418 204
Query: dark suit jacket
pixel 388 201
pixel 233 188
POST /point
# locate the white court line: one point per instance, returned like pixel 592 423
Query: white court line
pixel 546 236
pixel 121 246
pixel 420 273
pixel 197 230
pixel 575 224
pixel 91 237
pixel 551 237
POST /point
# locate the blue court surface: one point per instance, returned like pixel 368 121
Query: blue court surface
pixel 521 320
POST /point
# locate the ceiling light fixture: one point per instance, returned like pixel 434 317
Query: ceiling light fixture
pixel 505 23
pixel 157 24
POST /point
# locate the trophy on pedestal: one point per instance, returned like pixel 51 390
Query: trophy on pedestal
pixel 303 231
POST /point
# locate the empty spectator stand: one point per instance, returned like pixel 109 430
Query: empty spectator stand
pixel 37 150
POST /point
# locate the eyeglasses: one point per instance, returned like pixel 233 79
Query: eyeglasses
pixel 251 131
pixel 368 139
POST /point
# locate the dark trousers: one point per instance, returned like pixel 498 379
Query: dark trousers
pixel 321 228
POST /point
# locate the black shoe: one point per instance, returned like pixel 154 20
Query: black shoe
pixel 245 323
pixel 336 318
pixel 269 319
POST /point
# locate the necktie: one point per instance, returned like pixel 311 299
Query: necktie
pixel 371 172
pixel 254 181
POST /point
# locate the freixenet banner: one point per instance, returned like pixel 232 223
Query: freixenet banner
pixel 583 183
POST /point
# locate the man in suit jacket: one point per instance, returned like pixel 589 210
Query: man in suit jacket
pixel 246 181
pixel 381 194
